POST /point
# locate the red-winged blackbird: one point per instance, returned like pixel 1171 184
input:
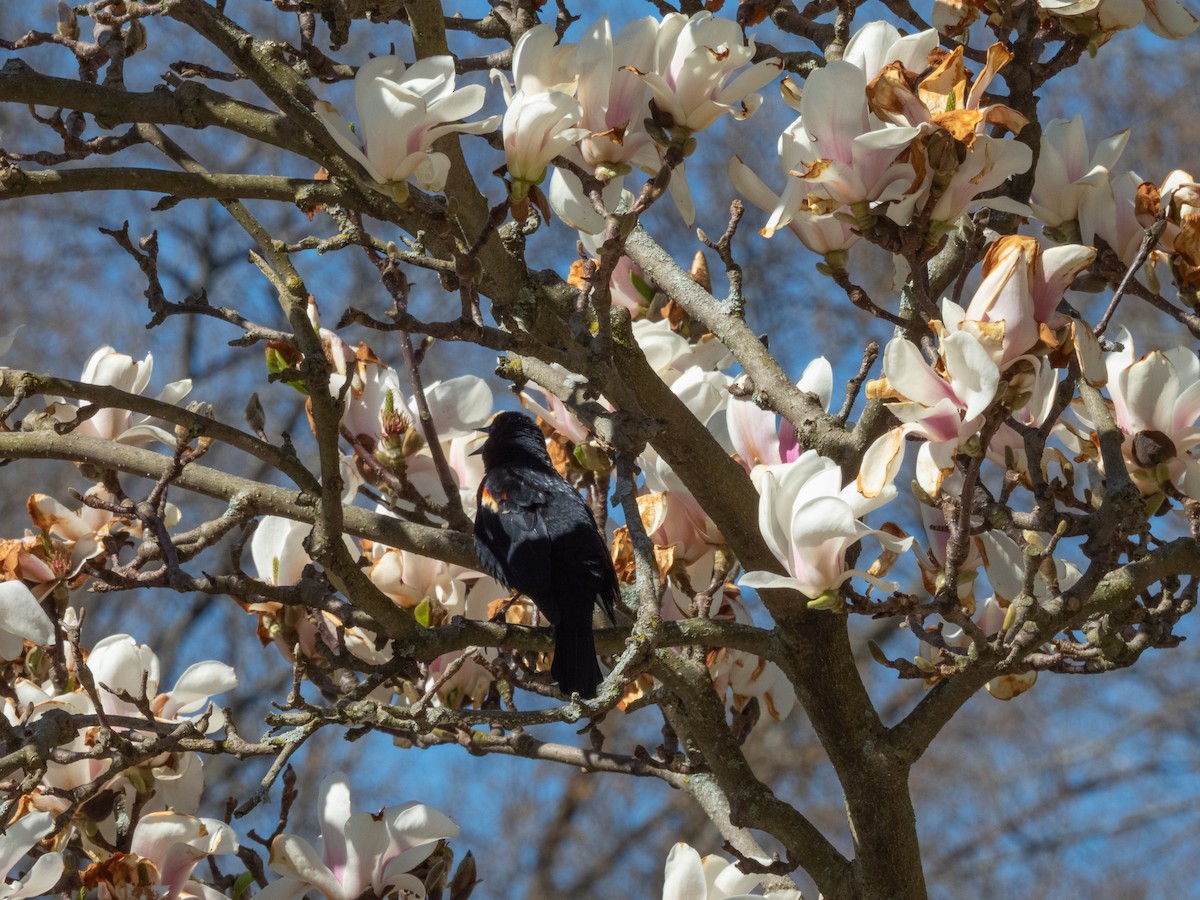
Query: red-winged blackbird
pixel 535 534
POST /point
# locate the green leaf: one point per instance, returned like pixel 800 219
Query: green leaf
pixel 423 613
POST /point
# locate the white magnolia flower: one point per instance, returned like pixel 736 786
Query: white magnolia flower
pixel 108 367
pixel 18 839
pixel 118 662
pixel 165 848
pixel 358 853
pixel 840 156
pixel 537 128
pixel 1022 285
pixel 688 877
pixel 401 112
pixel 694 59
pixel 1100 19
pixel 809 520
pixel 1071 181
pixel 1156 404
pixel 945 407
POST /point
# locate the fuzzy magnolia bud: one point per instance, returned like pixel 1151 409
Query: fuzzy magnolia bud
pixel 68 22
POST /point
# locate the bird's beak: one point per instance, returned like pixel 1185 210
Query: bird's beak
pixel 486 429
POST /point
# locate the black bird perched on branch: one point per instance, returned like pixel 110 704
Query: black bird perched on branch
pixel 535 534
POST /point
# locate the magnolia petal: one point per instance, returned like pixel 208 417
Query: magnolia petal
pixel 881 463
pixel 817 378
pixel 972 371
pixel 684 874
pixel 20 836
pixel 909 374
pixel 769 580
pixel 198 682
pixel 747 183
pixel 1169 19
pixel 295 857
pixel 22 615
pixel 41 877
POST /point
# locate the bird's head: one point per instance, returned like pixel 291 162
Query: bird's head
pixel 513 437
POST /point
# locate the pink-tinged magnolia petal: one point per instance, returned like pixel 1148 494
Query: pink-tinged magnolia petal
pixel 22 615
pixel 684 874
pixel 908 373
pixel 753 432
pixel 334 813
pixel 175 843
pixel 339 129
pixel 295 857
pixel 834 108
pixel 1058 267
pixel 972 372
pixel 769 580
pixel 366 844
pixel 1089 354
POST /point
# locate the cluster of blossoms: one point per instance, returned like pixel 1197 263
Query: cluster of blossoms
pixel 894 135
pixel 608 105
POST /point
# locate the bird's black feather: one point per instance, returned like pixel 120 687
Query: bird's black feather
pixel 535 534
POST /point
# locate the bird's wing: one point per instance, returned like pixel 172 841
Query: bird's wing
pixel 580 548
pixel 511 535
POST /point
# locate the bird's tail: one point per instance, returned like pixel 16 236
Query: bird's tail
pixel 575 667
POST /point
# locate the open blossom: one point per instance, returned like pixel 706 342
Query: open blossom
pixel 108 367
pixel 165 849
pixel 1100 19
pixel 809 520
pixel 694 60
pixel 118 663
pixel 944 406
pixel 878 44
pixel 1156 404
pixel 358 853
pixel 1022 285
pixel 688 877
pixel 1071 180
pixel 840 156
pixel 543 116
pixel 401 112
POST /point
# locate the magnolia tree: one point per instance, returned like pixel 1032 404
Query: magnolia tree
pixel 1041 458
